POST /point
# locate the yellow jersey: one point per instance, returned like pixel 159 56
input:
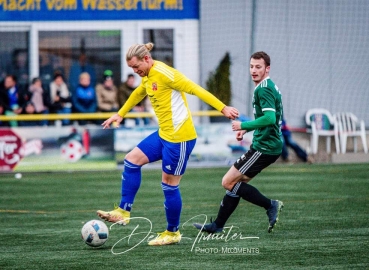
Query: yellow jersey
pixel 166 88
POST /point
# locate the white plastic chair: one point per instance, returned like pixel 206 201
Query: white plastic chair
pixel 323 124
pixel 347 126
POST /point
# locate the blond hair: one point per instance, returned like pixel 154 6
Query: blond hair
pixel 84 75
pixel 139 51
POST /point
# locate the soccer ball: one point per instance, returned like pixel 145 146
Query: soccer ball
pixel 72 150
pixel 95 233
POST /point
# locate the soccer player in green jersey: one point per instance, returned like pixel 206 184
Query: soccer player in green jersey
pixel 265 149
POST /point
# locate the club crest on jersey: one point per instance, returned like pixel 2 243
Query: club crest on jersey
pixel 154 86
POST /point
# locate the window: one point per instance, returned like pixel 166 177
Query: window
pixel 163 41
pixel 72 52
pixel 14 58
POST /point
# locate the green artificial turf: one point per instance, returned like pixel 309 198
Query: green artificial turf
pixel 324 224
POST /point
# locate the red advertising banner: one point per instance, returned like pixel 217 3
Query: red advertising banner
pixel 10 149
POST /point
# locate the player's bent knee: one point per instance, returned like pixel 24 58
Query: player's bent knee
pixel 136 156
pixel 227 183
pixel 130 157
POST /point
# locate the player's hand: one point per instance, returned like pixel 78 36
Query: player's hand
pixel 239 135
pixel 230 112
pixel 115 118
pixel 236 125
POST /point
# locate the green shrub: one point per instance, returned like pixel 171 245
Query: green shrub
pixel 219 83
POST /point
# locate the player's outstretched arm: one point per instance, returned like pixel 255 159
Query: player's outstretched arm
pixel 115 118
pixel 230 112
pixel 269 118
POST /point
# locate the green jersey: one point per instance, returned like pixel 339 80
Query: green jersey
pixel 267 97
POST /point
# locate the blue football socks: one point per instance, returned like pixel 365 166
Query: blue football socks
pixel 172 205
pixel 131 181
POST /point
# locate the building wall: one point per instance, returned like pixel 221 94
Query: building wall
pixel 318 48
pixel 127 20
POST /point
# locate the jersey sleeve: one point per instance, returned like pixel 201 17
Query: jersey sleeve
pixel 266 120
pixel 182 83
pixel 267 99
pixel 267 105
pixel 136 96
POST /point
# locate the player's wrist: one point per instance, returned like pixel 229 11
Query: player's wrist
pixel 244 126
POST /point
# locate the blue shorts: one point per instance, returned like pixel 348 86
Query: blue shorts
pixel 174 156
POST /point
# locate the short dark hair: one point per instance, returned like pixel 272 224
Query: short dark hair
pixel 261 55
pixel 35 80
pixel 13 77
pixel 30 103
pixel 58 74
pixel 130 75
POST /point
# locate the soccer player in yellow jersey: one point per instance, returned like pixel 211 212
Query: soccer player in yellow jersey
pixel 172 143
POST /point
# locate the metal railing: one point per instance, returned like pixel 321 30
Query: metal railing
pixel 90 116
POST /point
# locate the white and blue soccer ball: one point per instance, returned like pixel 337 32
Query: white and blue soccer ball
pixel 95 233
